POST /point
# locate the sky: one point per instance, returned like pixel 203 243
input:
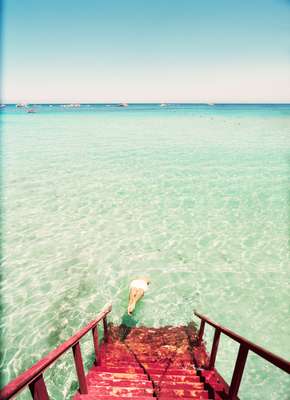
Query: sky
pixel 146 51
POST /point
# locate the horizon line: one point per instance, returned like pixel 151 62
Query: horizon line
pixel 142 103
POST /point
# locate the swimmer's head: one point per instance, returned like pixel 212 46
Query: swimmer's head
pixel 145 279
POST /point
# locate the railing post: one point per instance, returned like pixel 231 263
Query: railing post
pixel 214 348
pixel 80 368
pixel 201 331
pixel 96 343
pixel 238 371
pixel 38 389
pixel 105 329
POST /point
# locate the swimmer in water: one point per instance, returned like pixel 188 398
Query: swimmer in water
pixel 137 289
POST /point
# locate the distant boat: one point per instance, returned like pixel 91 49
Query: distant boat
pixel 123 105
pixel 163 105
pixel 21 105
pixel 210 104
pixel 72 105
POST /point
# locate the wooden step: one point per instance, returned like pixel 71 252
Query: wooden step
pixel 121 391
pixel 117 356
pixel 200 396
pixel 203 396
pixel 102 397
pixel 177 394
pixel 121 364
pixel 94 381
pixel 168 362
pixel 171 371
pixel 175 378
pixel 128 369
pixel 117 360
pixel 157 358
pixel 182 386
pixel 118 375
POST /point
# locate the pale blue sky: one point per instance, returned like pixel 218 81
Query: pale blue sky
pixel 146 51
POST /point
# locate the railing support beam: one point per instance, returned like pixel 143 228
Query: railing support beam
pixel 83 389
pixel 201 331
pixel 214 348
pixel 96 343
pixel 238 372
pixel 105 329
pixel 38 389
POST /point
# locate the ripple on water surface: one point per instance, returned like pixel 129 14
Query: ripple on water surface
pixel 197 200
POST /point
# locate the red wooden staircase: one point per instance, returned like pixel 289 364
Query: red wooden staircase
pixel 148 363
pixel 141 363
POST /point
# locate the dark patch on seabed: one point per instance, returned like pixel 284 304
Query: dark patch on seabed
pixel 128 322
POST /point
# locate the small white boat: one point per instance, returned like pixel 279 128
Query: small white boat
pixel 72 105
pixel 163 105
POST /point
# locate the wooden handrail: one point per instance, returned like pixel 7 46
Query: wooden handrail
pixel 245 346
pixel 29 376
pixel 260 351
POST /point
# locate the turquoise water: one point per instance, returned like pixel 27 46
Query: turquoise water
pixel 196 197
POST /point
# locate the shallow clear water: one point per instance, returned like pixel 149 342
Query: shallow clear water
pixel 195 197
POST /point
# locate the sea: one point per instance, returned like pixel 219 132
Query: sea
pixel 194 196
